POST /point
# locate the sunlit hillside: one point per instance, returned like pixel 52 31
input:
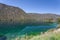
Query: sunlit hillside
pixel 12 15
pixel 16 24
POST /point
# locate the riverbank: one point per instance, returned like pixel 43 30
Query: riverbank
pixel 51 35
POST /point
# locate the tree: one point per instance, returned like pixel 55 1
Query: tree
pixel 58 20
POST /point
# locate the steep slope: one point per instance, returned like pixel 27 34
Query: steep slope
pixel 11 19
pixel 15 15
pixel 10 14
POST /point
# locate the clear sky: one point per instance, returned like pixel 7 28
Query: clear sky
pixel 36 6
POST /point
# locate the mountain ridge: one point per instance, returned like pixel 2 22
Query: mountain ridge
pixel 11 14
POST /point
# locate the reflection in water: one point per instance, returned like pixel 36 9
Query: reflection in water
pixel 17 32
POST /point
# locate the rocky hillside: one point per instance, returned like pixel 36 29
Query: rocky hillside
pixel 12 15
pixel 42 17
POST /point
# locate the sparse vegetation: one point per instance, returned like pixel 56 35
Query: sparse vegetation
pixel 52 35
pixel 16 15
pixel 58 20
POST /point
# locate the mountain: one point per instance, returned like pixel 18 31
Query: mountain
pixel 14 18
pixel 15 15
pixel 10 14
pixel 42 17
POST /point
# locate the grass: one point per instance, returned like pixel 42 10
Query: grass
pixel 52 35
pixel 49 35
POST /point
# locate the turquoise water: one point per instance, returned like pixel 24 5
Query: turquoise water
pixel 12 33
pixel 37 29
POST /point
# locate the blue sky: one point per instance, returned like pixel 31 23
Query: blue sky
pixel 36 6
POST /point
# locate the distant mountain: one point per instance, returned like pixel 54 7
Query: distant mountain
pixel 43 16
pixel 13 15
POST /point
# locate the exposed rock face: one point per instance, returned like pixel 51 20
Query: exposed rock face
pixel 11 18
pixel 10 14
pixel 13 15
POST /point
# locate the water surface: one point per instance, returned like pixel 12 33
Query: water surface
pixel 13 32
